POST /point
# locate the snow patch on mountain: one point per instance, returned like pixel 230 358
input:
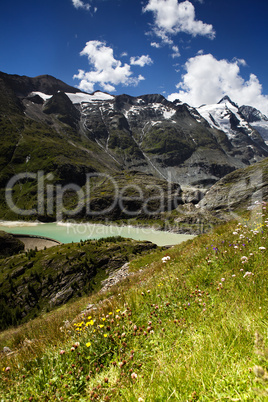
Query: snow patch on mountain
pixel 160 111
pixel 168 114
pixel 80 97
pixel 45 97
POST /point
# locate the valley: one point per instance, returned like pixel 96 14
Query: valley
pixel 119 305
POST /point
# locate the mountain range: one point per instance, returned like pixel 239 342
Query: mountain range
pixel 140 142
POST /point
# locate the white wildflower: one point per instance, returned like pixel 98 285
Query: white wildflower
pixel 248 274
pixel 166 258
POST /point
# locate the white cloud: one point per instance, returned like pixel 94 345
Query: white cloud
pixel 207 80
pixel 81 4
pixel 156 45
pixel 240 61
pixel 107 71
pixel 176 52
pixel 141 61
pixel 171 17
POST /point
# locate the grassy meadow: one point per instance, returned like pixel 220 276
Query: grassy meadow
pixel 190 324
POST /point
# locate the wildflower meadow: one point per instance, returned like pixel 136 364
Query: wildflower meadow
pixel 189 325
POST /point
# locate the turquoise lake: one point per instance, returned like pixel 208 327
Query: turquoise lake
pixel 74 232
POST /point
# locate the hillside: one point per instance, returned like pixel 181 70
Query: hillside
pixel 36 282
pixel 190 325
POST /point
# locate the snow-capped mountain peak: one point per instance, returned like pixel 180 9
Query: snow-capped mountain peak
pixel 227 116
pixel 226 100
pixel 220 115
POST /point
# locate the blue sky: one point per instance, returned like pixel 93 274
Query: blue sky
pixel 196 50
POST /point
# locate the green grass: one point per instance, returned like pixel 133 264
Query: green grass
pixel 180 329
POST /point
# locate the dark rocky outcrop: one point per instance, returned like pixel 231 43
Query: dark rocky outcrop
pixel 251 114
pixel 9 245
pixel 61 105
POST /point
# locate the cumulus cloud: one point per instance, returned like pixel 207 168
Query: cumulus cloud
pixel 106 70
pixel 81 4
pixel 171 17
pixel 207 80
pixel 141 61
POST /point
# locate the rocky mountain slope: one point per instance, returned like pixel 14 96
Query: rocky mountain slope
pixel 48 126
pixel 238 190
pixel 256 119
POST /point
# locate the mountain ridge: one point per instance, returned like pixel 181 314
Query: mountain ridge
pixel 46 124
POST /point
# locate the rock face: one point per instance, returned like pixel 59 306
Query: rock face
pixel 238 190
pixel 60 105
pixel 256 119
pixel 9 245
pixel 49 126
